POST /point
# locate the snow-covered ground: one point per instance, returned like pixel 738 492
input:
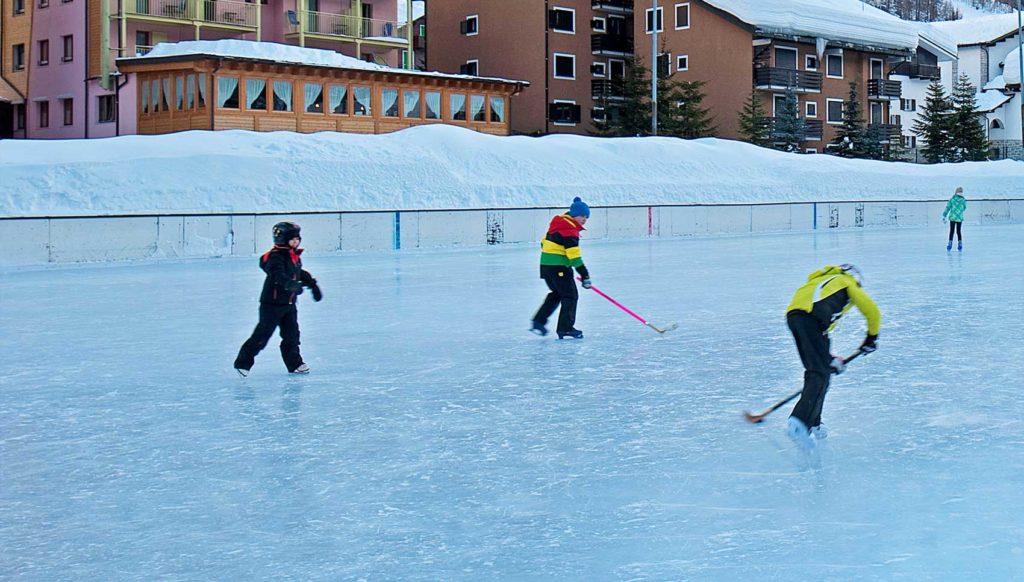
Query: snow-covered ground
pixel 446 167
pixel 437 440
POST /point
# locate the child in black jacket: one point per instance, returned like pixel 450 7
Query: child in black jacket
pixel 284 282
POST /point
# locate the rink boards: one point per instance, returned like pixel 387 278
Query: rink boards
pixel 41 240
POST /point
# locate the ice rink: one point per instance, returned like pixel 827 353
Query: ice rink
pixel 436 439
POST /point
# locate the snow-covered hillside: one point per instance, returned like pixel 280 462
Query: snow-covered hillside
pixel 443 166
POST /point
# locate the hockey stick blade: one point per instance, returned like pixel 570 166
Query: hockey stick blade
pixel 659 330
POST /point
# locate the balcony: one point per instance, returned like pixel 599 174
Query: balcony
pixel 917 71
pixel 775 79
pixel 884 89
pixel 885 132
pixel 611 45
pixel 613 6
pixel 221 13
pixel 142 50
pixel 813 129
pixel 607 90
pixel 346 27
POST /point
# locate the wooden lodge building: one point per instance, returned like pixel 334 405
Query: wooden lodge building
pixel 232 84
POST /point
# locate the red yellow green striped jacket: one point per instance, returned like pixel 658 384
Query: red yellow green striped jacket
pixel 561 245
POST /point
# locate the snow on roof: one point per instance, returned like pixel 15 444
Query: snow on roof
pixel 285 53
pixel 934 40
pixel 1011 68
pixel 997 83
pixel 979 30
pixel 848 21
pixel 989 101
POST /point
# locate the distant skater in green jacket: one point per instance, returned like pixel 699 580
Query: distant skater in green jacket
pixel 955 210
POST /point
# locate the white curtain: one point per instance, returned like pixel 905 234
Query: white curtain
pixel 227 90
pixel 314 98
pixel 476 103
pixel 154 96
pixel 362 98
pixel 458 107
pixel 433 105
pixel 190 91
pixel 145 97
pixel 179 92
pixel 497 109
pixel 412 104
pixel 339 103
pixel 166 101
pixel 282 96
pixel 255 90
pixel 389 102
pixel 202 90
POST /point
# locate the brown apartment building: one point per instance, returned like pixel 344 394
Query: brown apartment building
pixel 571 52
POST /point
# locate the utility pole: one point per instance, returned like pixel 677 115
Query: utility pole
pixel 654 66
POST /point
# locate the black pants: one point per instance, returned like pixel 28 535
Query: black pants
pixel 813 344
pixel 564 293
pixel 955 226
pixel 271 317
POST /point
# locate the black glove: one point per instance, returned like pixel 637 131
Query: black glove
pixel 317 293
pixel 293 287
pixel 869 344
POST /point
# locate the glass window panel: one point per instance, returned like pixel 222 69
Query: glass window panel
pixel 389 102
pixel 314 97
pixel 282 95
pixel 412 104
pixel 179 91
pixel 497 109
pixel 202 91
pixel 256 94
pixel 227 92
pixel 361 97
pixel 476 106
pixel 458 107
pixel 433 103
pixel 145 97
pixel 339 99
pixel 165 96
pixel 154 95
pixel 190 91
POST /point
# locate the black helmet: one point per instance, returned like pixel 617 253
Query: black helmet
pixel 286 231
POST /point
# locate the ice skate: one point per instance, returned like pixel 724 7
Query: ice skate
pixel 539 329
pixel 797 431
pixel 572 333
pixel 242 372
pixel 302 369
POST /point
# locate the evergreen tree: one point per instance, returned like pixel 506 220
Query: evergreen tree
pixel 851 139
pixel 632 116
pixel 932 125
pixel 754 125
pixel 967 135
pixel 789 128
pixel 679 110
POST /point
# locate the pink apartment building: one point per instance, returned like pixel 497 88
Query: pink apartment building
pixel 58 78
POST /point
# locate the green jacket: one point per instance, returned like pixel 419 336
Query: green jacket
pixel 955 208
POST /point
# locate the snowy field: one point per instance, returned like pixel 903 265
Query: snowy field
pixel 437 440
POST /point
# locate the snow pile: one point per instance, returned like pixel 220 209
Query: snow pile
pixel 441 166
pixel 979 30
pixel 1011 68
pixel 836 20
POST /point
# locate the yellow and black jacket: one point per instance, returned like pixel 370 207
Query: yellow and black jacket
pixel 837 291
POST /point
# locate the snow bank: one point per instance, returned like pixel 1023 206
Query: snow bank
pixel 443 166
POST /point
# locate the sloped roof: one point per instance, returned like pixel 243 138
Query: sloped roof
pixel 980 30
pixel 989 101
pixel 8 93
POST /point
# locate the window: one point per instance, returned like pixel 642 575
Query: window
pixel 497 109
pixel 405 60
pixel 433 105
pixel 179 92
pixel 682 63
pixel 313 97
pixel 598 24
pixel 564 112
pixel 909 141
pixel 413 104
pixel 562 20
pixel 810 109
pixel 664 65
pixel 682 16
pixel 875 113
pixel 19 116
pixel 470 26
pixel 145 96
pixel 361 101
pixel 227 92
pixel 811 62
pixel 650 20
pixel 458 107
pixel 19 7
pixel 565 66
pixel 471 67
pixel 834 66
pixel 190 92
pixel 599 69
pixel 44 114
pixel 69 48
pixel 201 95
pixel 908 104
pixel 338 99
pixel 18 57
pixel 69 111
pixel 44 53
pixel 785 57
pixel 165 96
pixel 877 69
pixel 44 3
pixel 599 114
pixel 834 111
pixel 256 94
pixel 154 95
pixel 477 108
pixel 389 102
pixel 895 120
pixel 282 95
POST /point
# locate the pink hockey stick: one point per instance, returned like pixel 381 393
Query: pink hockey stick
pixel 627 310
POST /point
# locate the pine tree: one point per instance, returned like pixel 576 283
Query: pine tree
pixel 851 139
pixel 932 125
pixel 679 110
pixel 753 122
pixel 632 116
pixel 966 134
pixel 789 128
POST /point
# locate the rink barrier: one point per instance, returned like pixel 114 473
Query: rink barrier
pixel 36 240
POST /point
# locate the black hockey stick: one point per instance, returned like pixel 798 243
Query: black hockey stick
pixel 756 418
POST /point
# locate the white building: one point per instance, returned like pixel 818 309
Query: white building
pixel 935 58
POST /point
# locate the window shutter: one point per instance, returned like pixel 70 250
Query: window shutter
pixel 552 19
pixel 463 27
pixel 464 69
pixel 663 65
pixel 574 113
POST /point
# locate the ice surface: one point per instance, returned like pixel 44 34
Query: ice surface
pixel 437 439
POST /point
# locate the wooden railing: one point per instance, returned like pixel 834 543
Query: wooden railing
pixel 611 44
pixel 813 128
pixel 622 6
pixel 917 71
pixel 608 90
pixel 776 78
pixel 884 89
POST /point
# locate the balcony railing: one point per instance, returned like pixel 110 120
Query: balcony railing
pixel 884 89
pixel 618 6
pixel 886 132
pixel 610 44
pixel 142 50
pixel 228 12
pixel 346 26
pixel 917 71
pixel 607 90
pixel 813 128
pixel 775 78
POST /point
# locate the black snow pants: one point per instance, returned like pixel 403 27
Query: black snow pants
pixel 564 293
pixel 814 346
pixel 955 226
pixel 271 317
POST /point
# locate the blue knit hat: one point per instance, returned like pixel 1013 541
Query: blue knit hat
pixel 579 208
